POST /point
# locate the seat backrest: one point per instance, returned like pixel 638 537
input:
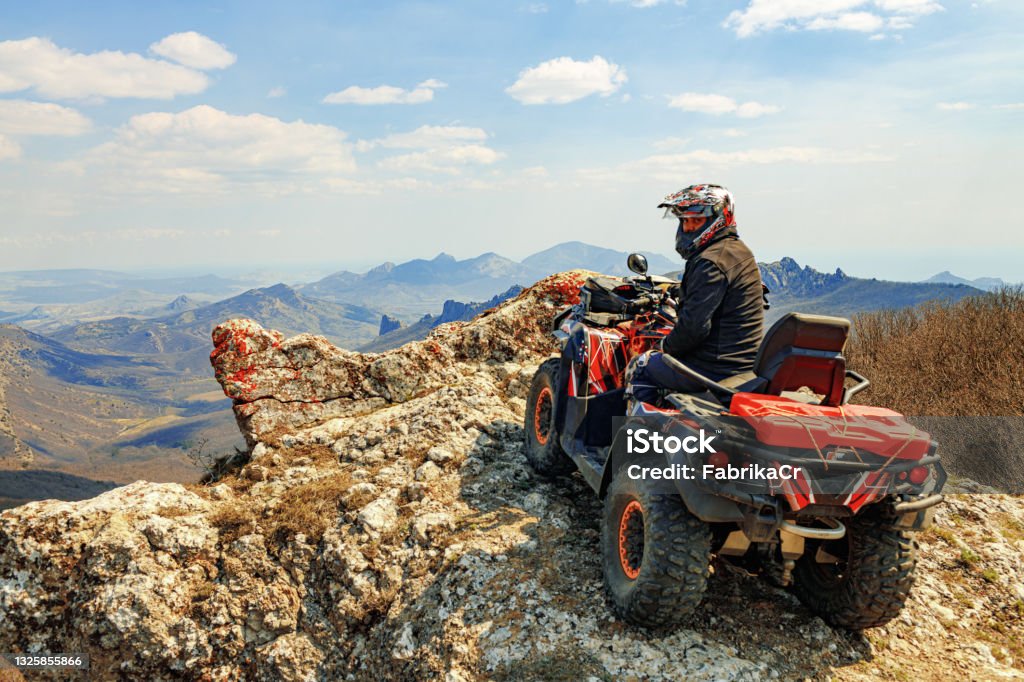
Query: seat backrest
pixel 805 350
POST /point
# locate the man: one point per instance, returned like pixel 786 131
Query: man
pixel 721 305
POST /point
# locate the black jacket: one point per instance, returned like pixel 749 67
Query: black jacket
pixel 721 309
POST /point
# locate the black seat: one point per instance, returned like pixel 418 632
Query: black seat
pixel 802 350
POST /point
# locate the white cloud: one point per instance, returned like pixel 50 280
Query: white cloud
pixel 56 72
pixel 649 3
pixel 433 84
pixel 386 94
pixel 756 110
pixel 9 149
pixel 864 22
pixel 709 103
pixel 441 149
pixel 954 106
pixel 194 50
pixel 276 92
pixel 350 186
pixel 913 7
pixel 535 8
pixel 1013 106
pixel 426 137
pixel 564 80
pixel 704 103
pixel 669 167
pixel 21 117
pixel 445 160
pixel 203 148
pixel 818 15
pixel 733 132
pixel 669 143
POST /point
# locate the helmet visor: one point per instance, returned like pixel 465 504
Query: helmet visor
pixel 691 211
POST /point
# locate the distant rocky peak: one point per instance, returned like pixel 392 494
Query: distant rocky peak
pixel 388 324
pixel 381 269
pixel 182 302
pixel 787 275
pixel 282 292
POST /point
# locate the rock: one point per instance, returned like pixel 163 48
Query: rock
pixel 379 515
pixel 440 456
pixel 358 494
pixel 423 525
pixel 428 471
pixel 415 491
pixel 290 658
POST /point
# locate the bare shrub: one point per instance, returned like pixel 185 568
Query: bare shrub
pixel 214 466
pixel 958 370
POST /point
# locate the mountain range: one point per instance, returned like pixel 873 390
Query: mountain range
pixel 804 289
pixel 413 289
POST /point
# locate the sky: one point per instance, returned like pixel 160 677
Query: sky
pixel 883 137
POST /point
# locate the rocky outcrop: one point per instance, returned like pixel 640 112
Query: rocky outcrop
pixel 386 526
pixel 787 276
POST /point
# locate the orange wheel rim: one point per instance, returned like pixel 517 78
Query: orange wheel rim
pixel 631 539
pixel 542 416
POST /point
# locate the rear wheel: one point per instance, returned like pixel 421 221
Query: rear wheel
pixel 542 448
pixel 656 555
pixel 869 577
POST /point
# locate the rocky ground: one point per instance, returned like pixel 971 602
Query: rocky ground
pixel 386 526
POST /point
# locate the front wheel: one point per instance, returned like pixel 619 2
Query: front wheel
pixel 543 451
pixel 655 553
pixel 868 579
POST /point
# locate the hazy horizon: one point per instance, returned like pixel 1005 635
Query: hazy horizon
pixel 309 271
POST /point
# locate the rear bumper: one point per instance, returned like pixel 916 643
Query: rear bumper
pixel 918 505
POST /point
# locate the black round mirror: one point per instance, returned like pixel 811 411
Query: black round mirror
pixel 637 263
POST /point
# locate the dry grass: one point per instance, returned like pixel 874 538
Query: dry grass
pixel 310 507
pixel 233 520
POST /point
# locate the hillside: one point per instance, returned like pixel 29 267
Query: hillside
pixel 97 416
pixel 386 526
pixel 279 306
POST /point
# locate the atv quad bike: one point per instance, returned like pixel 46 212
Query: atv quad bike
pixel 838 531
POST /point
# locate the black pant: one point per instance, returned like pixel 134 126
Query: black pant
pixel 652 374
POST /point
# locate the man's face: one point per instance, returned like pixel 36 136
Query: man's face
pixel 692 223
